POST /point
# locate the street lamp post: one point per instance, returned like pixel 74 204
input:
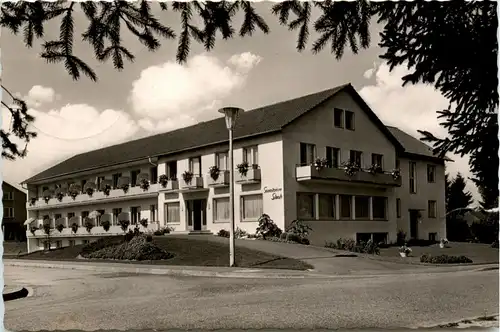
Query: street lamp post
pixel 231 114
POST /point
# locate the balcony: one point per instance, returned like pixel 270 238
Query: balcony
pixel 195 183
pixel 172 184
pixel 252 176
pixel 221 181
pixel 106 194
pixel 311 174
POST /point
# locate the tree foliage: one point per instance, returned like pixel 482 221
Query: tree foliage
pixel 450 45
pixel 457 200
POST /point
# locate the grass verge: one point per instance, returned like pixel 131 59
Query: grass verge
pixel 190 252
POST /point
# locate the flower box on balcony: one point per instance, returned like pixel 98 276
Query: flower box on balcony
pixel 196 182
pixel 222 180
pixel 252 176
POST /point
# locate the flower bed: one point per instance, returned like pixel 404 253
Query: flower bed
pixel 445 259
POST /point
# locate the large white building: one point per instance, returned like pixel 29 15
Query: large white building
pixel 280 144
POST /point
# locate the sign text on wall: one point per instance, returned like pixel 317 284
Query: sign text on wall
pixel 276 193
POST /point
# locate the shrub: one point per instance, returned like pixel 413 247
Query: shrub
pixel 486 231
pixel 89 191
pixel 149 238
pixel 138 248
pixel 187 176
pixel 163 231
pixel 46 228
pixel 444 259
pixel 74 227
pixel 144 222
pixel 214 172
pixel 60 227
pixel 267 227
pixel 304 241
pixel 299 228
pixel 144 184
pixel 124 224
pixel 401 238
pixel 243 168
pixel 283 235
pixel 223 233
pixel 74 190
pixel 239 233
pixel 105 225
pixel 291 237
pixel 369 247
pixel 163 180
pixel 101 243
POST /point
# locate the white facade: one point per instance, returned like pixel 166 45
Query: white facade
pixel 280 185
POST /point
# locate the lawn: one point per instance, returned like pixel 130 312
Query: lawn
pixel 190 252
pixel 478 252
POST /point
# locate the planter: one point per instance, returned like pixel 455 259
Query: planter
pixel 441 245
pixel 402 254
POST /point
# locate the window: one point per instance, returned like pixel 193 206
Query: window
pixel 338 118
pixel 398 207
pixel 379 207
pixel 221 209
pixel 307 153
pixel 433 237
pixel 326 206
pixel 332 156
pixel 172 213
pixel 349 120
pixel 85 241
pixel 172 170
pixel 305 206
pixel 362 207
pixel 251 155
pixel 115 179
pixel 82 184
pixel 71 215
pixel 251 207
pixel 100 179
pixel 355 157
pixel 195 165
pixel 431 207
pixel 153 172
pixel 71 243
pixel 57 216
pixel 431 173
pixel 222 160
pixel 398 164
pixel 413 177
pixel 378 159
pixel 363 237
pixel 8 212
pixel 345 206
pixel 8 196
pixel 98 218
pixel 133 178
pixel 85 214
pixel 58 244
pixel 135 212
pixel 152 213
pixel 380 237
pixel 116 212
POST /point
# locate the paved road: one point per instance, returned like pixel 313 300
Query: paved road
pixel 76 299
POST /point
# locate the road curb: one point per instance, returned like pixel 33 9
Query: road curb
pixel 157 270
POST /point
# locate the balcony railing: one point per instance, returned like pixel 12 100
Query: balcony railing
pixel 252 175
pixel 195 183
pixel 82 198
pixel 311 173
pixel 222 180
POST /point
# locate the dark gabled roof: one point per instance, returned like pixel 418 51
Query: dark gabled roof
pixel 263 120
pixel 413 145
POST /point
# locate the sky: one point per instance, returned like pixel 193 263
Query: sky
pixel 155 94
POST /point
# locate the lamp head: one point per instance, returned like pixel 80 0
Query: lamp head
pixel 231 114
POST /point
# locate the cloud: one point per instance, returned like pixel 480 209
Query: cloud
pixel 410 108
pixel 170 96
pixel 244 62
pixel 39 95
pixel 64 132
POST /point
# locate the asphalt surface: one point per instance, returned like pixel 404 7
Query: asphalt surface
pixel 86 300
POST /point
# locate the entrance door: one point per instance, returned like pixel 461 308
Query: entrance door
pixel 196 209
pixel 414 216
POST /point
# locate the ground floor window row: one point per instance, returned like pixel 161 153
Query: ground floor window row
pixel 134 214
pixel 317 206
pixel 251 208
